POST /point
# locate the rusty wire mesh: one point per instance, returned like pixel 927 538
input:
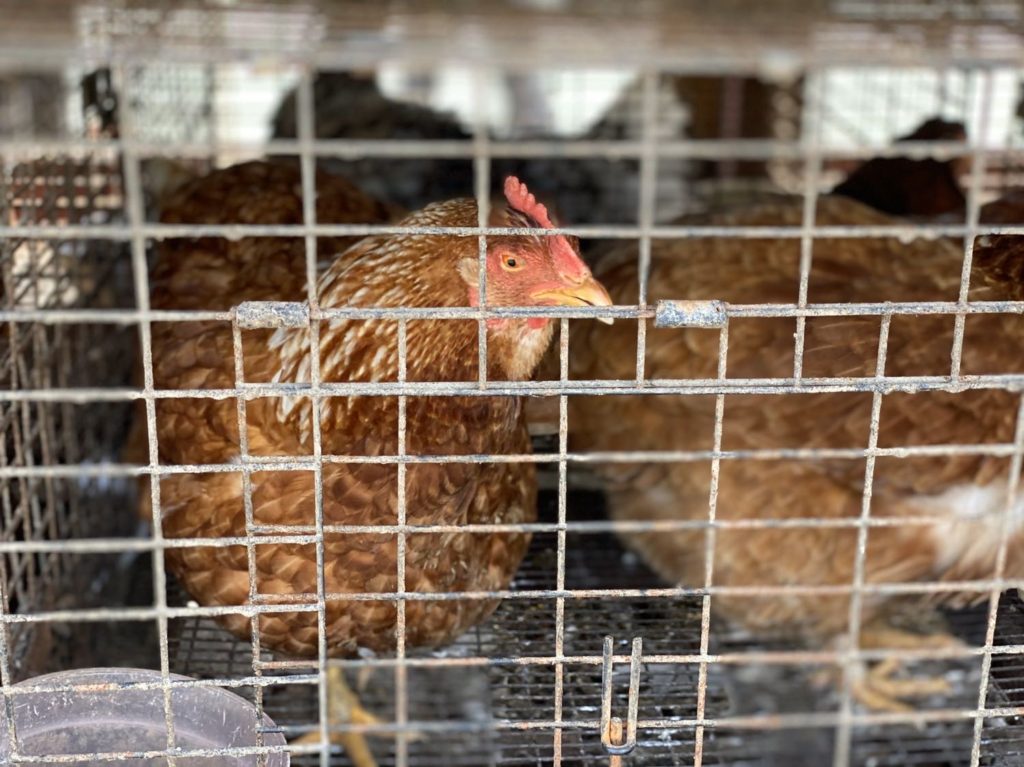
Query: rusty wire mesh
pixel 526 687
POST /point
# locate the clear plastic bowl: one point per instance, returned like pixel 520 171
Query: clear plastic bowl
pixel 113 719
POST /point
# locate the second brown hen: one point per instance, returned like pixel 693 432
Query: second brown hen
pixel 788 518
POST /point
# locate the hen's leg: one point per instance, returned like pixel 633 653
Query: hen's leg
pixel 880 688
pixel 344 708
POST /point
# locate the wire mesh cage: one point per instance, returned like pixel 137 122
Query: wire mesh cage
pixel 806 418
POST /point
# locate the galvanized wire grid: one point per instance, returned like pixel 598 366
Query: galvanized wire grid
pixel 538 663
pixel 49 275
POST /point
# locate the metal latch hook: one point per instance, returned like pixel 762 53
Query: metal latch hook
pixel 611 727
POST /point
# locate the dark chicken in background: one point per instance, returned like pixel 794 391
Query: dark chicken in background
pixel 913 188
pixel 965 494
pixel 351 106
pixel 382 271
pixel 585 190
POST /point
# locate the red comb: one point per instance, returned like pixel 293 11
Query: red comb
pixel 566 259
pixel 519 197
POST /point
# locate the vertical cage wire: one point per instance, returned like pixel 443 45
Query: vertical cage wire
pixel 140 271
pixel 842 750
pixel 1012 485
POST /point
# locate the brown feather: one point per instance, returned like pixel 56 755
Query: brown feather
pixel 746 271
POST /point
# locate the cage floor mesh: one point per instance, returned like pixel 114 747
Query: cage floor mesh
pixel 468 713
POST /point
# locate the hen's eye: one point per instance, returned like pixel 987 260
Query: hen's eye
pixel 511 263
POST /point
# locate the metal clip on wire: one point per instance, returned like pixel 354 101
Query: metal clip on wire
pixel 611 727
pixel 690 314
pixel 271 314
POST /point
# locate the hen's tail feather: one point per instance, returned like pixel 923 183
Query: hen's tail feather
pixel 999 259
pixel 217 273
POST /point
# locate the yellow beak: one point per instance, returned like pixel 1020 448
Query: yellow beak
pixel 590 292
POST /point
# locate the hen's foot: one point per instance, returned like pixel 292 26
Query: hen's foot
pixel 880 688
pixel 344 708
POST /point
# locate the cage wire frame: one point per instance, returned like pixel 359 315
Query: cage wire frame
pixel 51 274
pixel 137 233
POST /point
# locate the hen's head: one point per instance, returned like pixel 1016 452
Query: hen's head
pixel 529 270
pixel 537 270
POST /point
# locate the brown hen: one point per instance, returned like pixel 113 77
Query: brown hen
pixel 383 271
pixel 964 493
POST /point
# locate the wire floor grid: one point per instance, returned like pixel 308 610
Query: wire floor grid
pixel 470 711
